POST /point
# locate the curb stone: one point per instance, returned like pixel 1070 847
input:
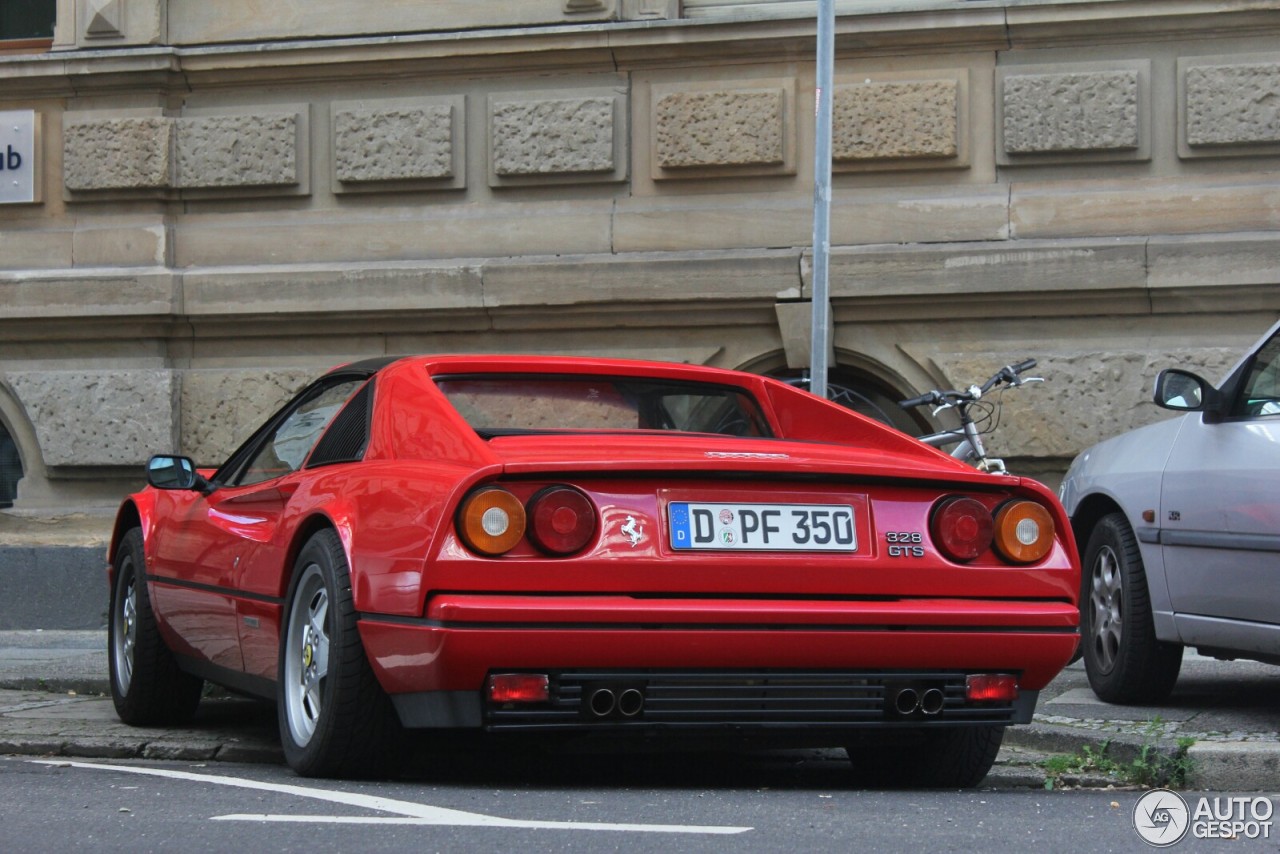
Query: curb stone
pixel 1233 766
pixel 1120 747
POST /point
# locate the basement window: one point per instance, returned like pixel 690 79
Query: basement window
pixel 10 468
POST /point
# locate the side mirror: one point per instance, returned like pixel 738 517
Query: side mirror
pixel 166 471
pixel 1183 391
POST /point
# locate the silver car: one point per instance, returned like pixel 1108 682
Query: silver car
pixel 1179 526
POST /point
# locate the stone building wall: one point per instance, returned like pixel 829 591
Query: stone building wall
pixel 231 203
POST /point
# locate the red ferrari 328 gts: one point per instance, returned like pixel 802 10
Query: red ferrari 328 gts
pixel 593 546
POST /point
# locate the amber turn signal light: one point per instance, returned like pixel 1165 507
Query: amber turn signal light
pixel 491 521
pixel 1024 531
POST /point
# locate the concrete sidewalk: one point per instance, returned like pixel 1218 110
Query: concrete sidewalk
pixel 53 701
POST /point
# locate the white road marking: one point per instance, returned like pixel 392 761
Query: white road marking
pixel 406 812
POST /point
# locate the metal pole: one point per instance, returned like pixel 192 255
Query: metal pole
pixel 824 90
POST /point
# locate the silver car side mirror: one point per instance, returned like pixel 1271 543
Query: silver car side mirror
pixel 1183 391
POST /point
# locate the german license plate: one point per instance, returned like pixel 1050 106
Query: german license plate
pixel 762 527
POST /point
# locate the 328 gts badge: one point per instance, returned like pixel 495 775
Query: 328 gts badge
pixel 904 544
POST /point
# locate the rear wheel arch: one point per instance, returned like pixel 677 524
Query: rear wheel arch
pixel 302 535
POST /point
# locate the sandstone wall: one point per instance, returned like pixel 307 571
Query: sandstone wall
pixel 233 202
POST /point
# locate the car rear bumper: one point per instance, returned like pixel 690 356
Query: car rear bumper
pixel 435 668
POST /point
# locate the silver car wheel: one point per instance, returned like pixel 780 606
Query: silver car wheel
pixel 125 637
pixel 1107 599
pixel 306 655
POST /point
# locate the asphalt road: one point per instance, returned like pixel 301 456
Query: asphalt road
pixel 739 804
pixel 470 794
pixel 50 684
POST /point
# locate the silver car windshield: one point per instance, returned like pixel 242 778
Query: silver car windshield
pixel 1261 393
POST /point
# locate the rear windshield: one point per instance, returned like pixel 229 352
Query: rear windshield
pixel 501 405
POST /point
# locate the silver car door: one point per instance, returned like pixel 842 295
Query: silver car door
pixel 1220 507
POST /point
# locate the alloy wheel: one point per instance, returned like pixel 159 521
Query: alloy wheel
pixel 125 637
pixel 1107 599
pixel 307 655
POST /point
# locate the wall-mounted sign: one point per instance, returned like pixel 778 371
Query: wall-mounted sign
pixel 19 157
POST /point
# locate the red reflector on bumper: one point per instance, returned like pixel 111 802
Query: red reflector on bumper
pixel 519 688
pixel 987 687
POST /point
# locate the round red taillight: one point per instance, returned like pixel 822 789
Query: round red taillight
pixel 561 520
pixel 962 528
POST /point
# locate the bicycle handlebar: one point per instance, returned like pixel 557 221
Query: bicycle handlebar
pixel 1007 374
pixel 918 401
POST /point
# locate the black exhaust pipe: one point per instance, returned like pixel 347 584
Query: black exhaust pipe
pixel 602 702
pixel 630 702
pixel 907 701
pixel 931 701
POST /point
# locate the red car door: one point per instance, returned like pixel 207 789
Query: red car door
pixel 205 546
pixel 191 561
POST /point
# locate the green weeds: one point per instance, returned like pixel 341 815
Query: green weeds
pixel 1149 767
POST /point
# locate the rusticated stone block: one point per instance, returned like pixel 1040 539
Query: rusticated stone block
pixel 741 127
pixel 911 119
pixel 1071 112
pixel 237 151
pixel 550 137
pixel 117 154
pixel 394 144
pixel 100 418
pixel 1233 104
pixel 221 408
pixel 1084 399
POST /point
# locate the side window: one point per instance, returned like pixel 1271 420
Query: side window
pixel 1260 394
pixel 347 436
pixel 286 448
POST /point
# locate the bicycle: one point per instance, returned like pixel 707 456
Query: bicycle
pixel 968 438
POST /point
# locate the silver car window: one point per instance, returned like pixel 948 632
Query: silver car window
pixel 1260 395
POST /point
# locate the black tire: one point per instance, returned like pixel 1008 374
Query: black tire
pixel 1124 661
pixel 147 686
pixel 335 720
pixel 934 758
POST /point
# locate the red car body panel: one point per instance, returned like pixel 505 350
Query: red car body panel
pixel 470 635
pixel 437 616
